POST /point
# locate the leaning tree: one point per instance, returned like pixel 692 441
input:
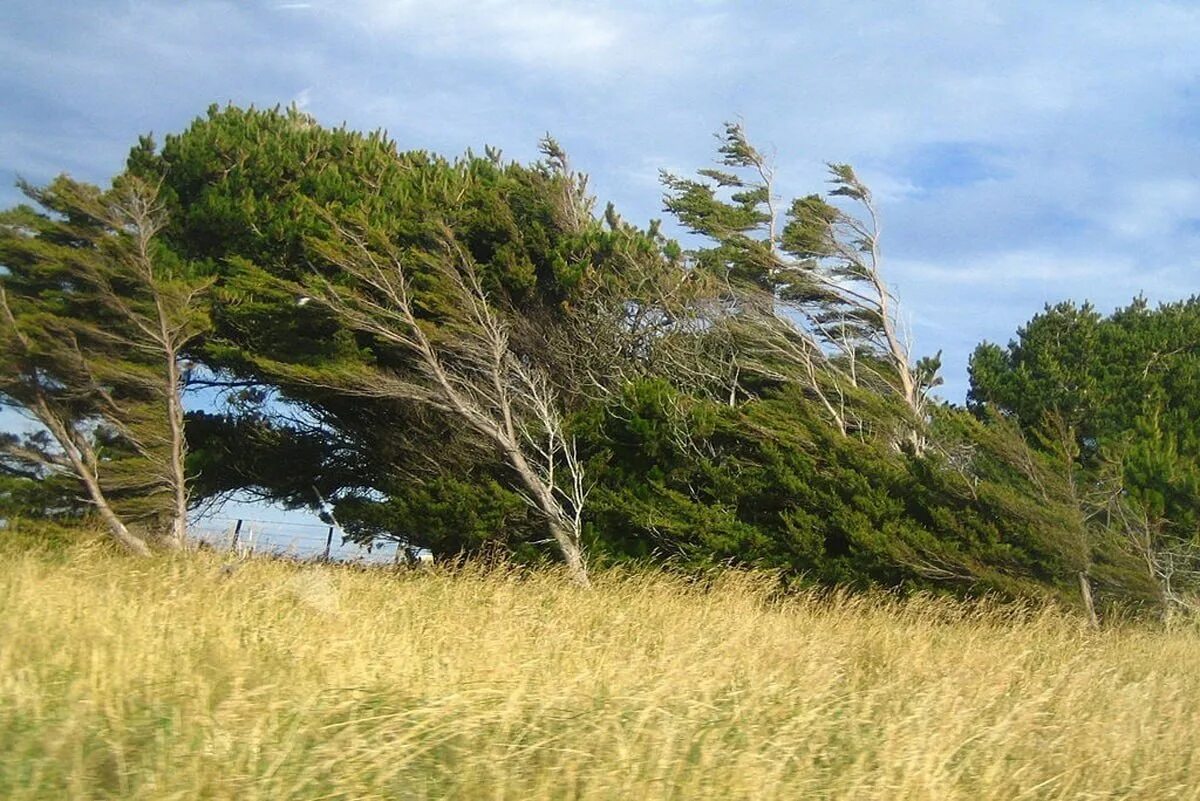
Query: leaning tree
pixel 95 316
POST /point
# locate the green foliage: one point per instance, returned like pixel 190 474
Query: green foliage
pixel 258 192
pixel 730 207
pixel 749 403
pixel 94 313
pixel 446 515
pixel 28 488
pixel 293 464
pixel 818 264
pixel 770 484
pixel 256 185
pixel 1127 386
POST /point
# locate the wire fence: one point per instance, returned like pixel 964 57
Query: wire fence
pixel 246 537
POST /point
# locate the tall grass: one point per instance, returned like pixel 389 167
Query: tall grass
pixel 175 678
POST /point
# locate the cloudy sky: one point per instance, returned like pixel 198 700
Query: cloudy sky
pixel 1022 152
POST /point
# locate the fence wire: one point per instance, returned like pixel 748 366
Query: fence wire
pixel 246 537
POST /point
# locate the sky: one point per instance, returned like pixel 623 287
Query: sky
pixel 1020 152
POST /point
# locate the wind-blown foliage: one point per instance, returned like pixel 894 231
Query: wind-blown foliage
pixel 1123 393
pixel 771 484
pixel 462 355
pixel 560 278
pixel 95 316
pixel 820 266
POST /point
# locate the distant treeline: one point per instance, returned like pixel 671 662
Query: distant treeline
pixel 466 355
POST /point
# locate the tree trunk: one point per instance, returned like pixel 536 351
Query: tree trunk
pixel 178 533
pixel 85 473
pixel 132 543
pixel 572 553
pixel 561 530
pixel 116 527
pixel 1085 590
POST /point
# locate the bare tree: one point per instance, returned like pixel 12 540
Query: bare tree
pixel 459 362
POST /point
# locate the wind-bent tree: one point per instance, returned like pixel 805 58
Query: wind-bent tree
pixel 1121 394
pixel 461 365
pixel 458 353
pixel 830 314
pixel 855 310
pixel 36 376
pixel 95 316
pixel 251 190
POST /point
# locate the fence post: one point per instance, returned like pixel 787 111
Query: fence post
pixel 237 533
pixel 328 543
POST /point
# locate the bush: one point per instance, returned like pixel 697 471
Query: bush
pixel 769 484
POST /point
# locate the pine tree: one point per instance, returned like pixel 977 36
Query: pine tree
pixel 95 317
pixel 829 311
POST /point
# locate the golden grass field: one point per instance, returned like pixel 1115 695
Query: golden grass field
pixel 170 678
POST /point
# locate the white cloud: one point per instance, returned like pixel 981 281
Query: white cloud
pixel 532 33
pixel 1010 270
pixel 581 38
pixel 1149 210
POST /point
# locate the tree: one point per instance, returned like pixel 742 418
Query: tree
pixel 462 366
pixel 95 317
pixel 822 269
pixel 1127 389
pixel 253 192
pixel 768 483
pixel 856 311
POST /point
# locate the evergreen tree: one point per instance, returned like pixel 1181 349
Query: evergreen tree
pixel 821 267
pixel 1127 389
pixel 95 316
pixel 262 194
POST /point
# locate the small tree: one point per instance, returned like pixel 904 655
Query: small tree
pixel 822 269
pixel 457 361
pixel 95 317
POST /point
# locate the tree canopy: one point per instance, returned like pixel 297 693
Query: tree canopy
pixel 464 354
pixel 1121 394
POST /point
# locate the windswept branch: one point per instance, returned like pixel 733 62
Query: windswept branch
pixel 460 363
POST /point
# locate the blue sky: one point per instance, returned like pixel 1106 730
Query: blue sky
pixel 1021 152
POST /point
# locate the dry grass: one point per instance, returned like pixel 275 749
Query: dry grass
pixel 170 679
